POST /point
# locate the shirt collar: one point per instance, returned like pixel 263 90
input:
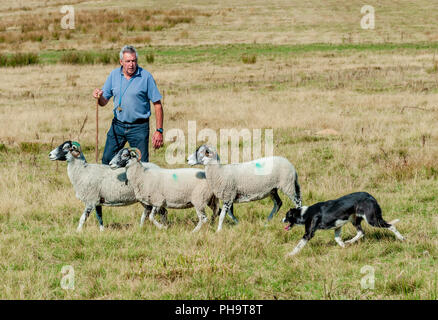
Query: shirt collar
pixel 136 74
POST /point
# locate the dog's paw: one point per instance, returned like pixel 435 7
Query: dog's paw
pixel 292 253
pixel 340 242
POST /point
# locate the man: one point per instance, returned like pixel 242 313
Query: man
pixel 132 88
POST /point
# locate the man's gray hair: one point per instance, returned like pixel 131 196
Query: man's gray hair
pixel 129 49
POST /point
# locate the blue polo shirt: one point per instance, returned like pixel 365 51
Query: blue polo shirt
pixel 133 95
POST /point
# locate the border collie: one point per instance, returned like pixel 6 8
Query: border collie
pixel 333 214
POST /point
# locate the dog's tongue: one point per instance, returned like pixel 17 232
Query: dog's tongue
pixel 287 228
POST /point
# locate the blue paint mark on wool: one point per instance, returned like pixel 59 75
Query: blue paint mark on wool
pixel 259 169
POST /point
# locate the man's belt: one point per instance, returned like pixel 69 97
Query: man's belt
pixel 138 121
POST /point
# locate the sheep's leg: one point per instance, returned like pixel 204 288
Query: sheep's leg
pixel 202 219
pixel 146 212
pixel 231 215
pixel 277 203
pixel 163 215
pixel 99 217
pixel 293 192
pixel 155 222
pixel 214 206
pixel 84 217
pixel 297 197
pixel 227 205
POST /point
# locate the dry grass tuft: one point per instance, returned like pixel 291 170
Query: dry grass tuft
pixel 75 57
pixel 115 25
pixel 249 58
pixel 18 59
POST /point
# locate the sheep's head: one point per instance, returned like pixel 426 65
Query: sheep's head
pixel 66 150
pixel 203 155
pixel 125 157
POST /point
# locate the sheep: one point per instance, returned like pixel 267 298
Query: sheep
pixel 97 184
pixel 248 181
pixel 172 188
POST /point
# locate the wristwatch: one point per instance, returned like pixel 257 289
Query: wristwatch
pixel 160 130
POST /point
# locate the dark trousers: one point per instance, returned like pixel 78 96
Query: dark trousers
pixel 137 134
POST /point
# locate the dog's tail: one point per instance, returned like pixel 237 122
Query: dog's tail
pixel 373 212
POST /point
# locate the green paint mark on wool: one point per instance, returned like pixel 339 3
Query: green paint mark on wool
pixel 174 176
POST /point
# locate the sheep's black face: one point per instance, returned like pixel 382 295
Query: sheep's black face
pixel 66 151
pixel 292 217
pixel 121 159
pixel 60 152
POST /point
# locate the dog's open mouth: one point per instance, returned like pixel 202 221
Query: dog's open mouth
pixel 288 227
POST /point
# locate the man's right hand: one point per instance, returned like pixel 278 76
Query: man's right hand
pixel 97 93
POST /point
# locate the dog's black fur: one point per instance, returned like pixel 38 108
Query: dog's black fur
pixel 333 214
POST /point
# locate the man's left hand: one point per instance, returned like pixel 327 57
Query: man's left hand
pixel 157 140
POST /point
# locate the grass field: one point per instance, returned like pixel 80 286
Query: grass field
pixel 352 109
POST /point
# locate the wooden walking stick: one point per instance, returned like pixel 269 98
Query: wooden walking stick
pixel 97 128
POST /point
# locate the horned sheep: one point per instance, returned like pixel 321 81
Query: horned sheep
pixel 95 184
pixel 172 188
pixel 248 181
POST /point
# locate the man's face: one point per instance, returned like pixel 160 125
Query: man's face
pixel 129 63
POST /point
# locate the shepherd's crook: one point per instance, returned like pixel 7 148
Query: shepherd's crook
pixel 97 128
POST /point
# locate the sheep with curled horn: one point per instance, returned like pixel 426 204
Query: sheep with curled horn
pixel 97 185
pixel 248 181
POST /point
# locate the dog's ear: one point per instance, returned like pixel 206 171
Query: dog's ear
pixel 296 212
pixel 289 215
